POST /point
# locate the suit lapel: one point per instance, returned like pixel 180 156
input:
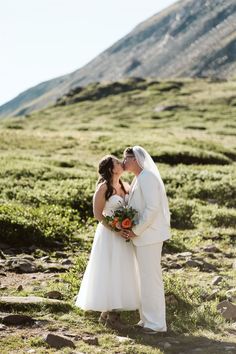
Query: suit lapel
pixel 133 184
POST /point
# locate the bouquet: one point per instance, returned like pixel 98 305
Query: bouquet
pixel 122 218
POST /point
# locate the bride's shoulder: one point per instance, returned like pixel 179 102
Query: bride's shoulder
pixel 101 187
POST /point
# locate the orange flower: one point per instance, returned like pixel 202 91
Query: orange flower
pixel 126 223
pixel 114 222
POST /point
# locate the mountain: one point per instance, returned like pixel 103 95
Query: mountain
pixel 188 39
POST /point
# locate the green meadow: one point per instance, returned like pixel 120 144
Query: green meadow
pixel 48 172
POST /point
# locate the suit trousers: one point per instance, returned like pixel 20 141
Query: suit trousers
pixel 152 309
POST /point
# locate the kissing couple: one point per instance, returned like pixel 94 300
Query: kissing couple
pixel 125 276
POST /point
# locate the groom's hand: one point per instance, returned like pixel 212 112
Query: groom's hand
pixel 132 234
pixel 129 234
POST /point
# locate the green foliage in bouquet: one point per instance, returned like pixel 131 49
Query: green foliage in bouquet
pixel 123 217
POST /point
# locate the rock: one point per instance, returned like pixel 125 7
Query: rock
pixel 227 309
pixel 55 276
pixel 54 295
pixel 60 254
pixel 212 295
pixel 3 287
pixel 2 255
pixel 22 265
pixel 201 264
pixel 58 244
pixel 59 341
pixel 212 256
pixel 169 108
pixel 73 335
pixel 66 261
pixel 90 340
pixel 28 257
pixel 124 339
pixel 174 265
pixel 193 263
pixel 2 263
pixel 211 248
pixel 17 301
pixel 3 327
pixel 55 267
pixel 216 280
pixel 15 320
pixel 231 294
pixel 208 267
pixel 166 345
pixel 184 254
pixel 229 255
pixel 26 266
pixel 44 258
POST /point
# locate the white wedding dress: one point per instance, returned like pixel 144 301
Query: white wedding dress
pixel 110 281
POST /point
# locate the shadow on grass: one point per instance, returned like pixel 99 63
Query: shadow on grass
pixel 169 342
pixel 172 343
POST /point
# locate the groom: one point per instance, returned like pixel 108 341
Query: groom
pixel 148 236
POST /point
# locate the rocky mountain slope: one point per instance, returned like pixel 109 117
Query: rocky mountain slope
pixel 188 39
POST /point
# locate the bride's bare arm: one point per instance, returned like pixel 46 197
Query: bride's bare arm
pixel 99 202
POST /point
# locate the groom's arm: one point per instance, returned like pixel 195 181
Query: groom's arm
pixel 151 193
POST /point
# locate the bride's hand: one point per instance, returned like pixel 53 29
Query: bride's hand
pixel 123 233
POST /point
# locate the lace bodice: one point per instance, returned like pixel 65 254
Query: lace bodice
pixel 113 203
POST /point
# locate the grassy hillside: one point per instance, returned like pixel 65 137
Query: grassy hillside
pixel 47 178
pixel 187 39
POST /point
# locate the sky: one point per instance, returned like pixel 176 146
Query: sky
pixel 44 39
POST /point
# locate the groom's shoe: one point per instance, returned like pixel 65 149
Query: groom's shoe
pixel 139 325
pixel 147 330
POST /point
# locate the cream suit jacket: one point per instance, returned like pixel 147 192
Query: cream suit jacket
pixel 144 196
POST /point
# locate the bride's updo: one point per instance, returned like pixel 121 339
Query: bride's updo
pixel 105 170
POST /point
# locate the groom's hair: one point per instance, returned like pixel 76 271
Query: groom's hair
pixel 129 150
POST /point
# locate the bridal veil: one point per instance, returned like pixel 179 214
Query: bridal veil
pixel 145 161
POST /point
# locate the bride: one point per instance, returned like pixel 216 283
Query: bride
pixel 110 282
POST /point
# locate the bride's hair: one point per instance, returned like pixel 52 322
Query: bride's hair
pixel 105 170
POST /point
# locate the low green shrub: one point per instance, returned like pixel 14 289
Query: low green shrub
pixel 221 192
pixel 211 184
pixel 182 213
pixel 190 157
pixel 25 225
pixel 75 193
pixel 222 217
